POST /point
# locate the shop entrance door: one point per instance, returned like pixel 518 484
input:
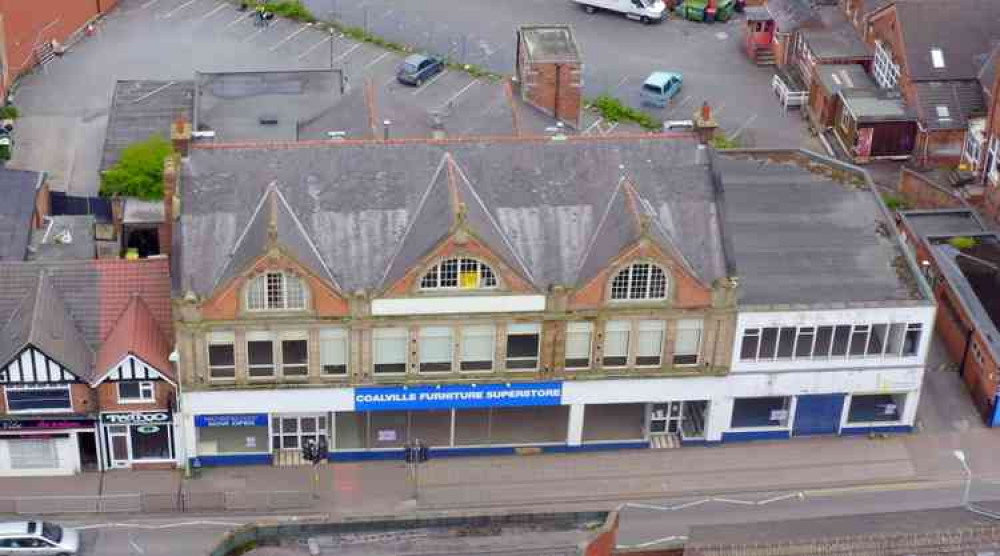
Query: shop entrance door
pixel 665 418
pixel 119 448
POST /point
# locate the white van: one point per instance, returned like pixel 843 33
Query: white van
pixel 646 11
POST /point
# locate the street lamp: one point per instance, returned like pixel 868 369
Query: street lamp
pixel 960 456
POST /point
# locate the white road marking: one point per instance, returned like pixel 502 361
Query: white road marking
pixel 459 93
pixel 150 3
pixel 346 53
pixel 213 12
pixel 593 125
pixel 375 61
pixel 734 501
pixel 133 544
pixel 157 527
pixel 253 35
pixel 620 83
pixel 315 46
pixel 654 542
pixel 740 129
pixel 290 37
pixel 429 83
pixel 170 14
pixel 238 19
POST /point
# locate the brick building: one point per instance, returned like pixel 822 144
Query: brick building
pixel 29 30
pixel 982 141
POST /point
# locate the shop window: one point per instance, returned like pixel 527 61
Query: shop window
pixel 33 453
pixel 221 355
pixel 522 346
pixel 232 439
pixel 390 350
pixel 463 274
pixel 760 412
pixel 841 339
pixel 276 291
pixel 804 341
pixel 688 344
pixel 30 398
pixel 579 340
pixel 136 392
pixel 786 342
pixel 824 340
pixel 616 343
pixel 876 408
pixel 260 355
pixel 911 342
pixel 333 351
pixel 650 349
pixel 768 343
pixel 435 349
pixel 751 341
pixel 292 432
pixel 151 442
pixel 294 354
pixel 478 346
pixel 639 281
pixel 993 161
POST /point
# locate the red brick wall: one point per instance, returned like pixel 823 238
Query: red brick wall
pixel 107 394
pixel 922 194
pixel 546 85
pixel 939 148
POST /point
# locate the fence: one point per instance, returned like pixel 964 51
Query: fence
pixel 199 501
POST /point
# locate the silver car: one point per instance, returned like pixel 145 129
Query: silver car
pixel 37 538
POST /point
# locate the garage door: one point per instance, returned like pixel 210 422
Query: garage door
pixel 818 414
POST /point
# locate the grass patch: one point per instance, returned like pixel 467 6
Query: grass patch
pixel 292 9
pixel 963 242
pixel 721 141
pixel 894 202
pixel 612 110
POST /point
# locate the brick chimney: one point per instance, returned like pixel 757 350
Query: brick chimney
pixel 180 136
pixel 171 205
pixel 550 72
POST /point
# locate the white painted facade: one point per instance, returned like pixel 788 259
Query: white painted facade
pixel 467 304
pixel 64 447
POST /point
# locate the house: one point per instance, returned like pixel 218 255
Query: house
pixel 961 257
pixel 84 366
pixel 374 292
pixel 25 205
pixel 790 17
pixel 934 57
pixel 874 124
pixel 982 141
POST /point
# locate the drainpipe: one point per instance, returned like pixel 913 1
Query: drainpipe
pixel 555 100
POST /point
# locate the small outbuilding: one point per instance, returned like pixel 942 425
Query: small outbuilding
pixel 874 124
pixel 824 92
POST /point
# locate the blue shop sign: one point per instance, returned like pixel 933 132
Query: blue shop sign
pixel 458 396
pixel 246 420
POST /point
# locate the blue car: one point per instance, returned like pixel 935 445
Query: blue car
pixel 418 68
pixel 660 87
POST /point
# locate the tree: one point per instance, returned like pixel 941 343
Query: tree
pixel 139 172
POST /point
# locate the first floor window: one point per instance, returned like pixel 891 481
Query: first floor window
pixel 751 341
pixel 876 408
pixel 911 342
pixel 132 392
pixel 390 350
pixel 333 351
pixel 478 346
pixel 688 344
pixel 578 344
pixel 435 349
pixel 616 343
pixel 761 412
pixel 294 354
pixel 27 398
pixel 260 355
pixel 649 351
pixel 221 355
pixel 522 346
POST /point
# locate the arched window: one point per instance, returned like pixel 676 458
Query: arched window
pixel 464 274
pixel 639 281
pixel 276 291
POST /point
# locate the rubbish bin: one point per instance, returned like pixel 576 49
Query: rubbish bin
pixel 710 15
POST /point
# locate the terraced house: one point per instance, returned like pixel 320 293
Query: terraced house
pixel 480 295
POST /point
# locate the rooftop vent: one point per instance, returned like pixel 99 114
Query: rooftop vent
pixel 268 120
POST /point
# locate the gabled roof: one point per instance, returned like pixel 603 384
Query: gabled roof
pixel 19 189
pixel 42 320
pixel 964 33
pixel 988 72
pixel 135 332
pixel 273 224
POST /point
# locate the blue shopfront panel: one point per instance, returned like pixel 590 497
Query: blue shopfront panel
pixel 818 414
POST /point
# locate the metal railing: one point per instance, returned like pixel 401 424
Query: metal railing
pixel 195 501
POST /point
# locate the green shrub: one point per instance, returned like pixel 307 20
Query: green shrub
pixel 4 152
pixel 893 202
pixel 139 172
pixel 612 110
pixel 721 141
pixel 963 242
pixel 292 9
pixel 9 112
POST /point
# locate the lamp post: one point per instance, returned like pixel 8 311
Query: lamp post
pixel 960 456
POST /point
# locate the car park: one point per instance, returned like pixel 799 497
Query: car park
pixel 660 87
pixel 37 538
pixel 418 68
pixel 646 11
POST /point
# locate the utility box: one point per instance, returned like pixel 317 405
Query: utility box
pixel 549 71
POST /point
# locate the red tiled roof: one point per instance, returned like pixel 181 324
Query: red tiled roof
pixel 120 280
pixel 136 333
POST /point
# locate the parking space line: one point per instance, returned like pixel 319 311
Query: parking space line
pixel 459 93
pixel 346 53
pixel 718 111
pixel 375 61
pixel 429 83
pixel 620 83
pixel 290 37
pixel 171 13
pixel 148 4
pixel 217 9
pixel 315 46
pixel 253 35
pixel 743 127
pixel 592 126
pixel 238 19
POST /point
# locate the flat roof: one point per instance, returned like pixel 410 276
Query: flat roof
pixel 869 105
pixel 837 77
pixel 19 189
pixel 138 211
pixel 942 222
pixel 550 43
pixel 831 44
pixel 141 109
pixel 65 238
pixel 974 275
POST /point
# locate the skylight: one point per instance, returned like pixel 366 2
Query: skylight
pixel 943 113
pixel 937 58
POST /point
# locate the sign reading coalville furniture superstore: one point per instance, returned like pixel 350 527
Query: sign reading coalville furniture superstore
pixel 458 396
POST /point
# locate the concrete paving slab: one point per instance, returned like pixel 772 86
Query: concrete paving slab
pixel 145 481
pixel 84 484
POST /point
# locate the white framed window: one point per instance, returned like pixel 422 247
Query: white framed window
pixel 973 148
pixel 333 351
pixel 937 58
pixel 260 355
pixel 435 349
pixel 845 118
pixel 911 341
pixel 478 348
pixel 876 408
pixel 38 398
pixel 276 291
pixel 993 161
pixel 859 340
pixel 649 350
pixel 390 350
pixel 523 341
pixel 639 281
pixel 687 346
pixel 885 69
pixel 579 344
pixel 294 354
pixel 459 273
pixel 616 343
pixel 221 356
pixel 136 392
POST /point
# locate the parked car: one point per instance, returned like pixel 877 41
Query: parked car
pixel 418 68
pixel 646 11
pixel 37 538
pixel 660 87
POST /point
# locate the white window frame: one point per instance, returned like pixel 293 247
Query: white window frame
pixel 327 337
pixel 389 335
pixel 647 328
pixel 646 295
pixel 697 328
pixel 22 387
pixel 220 339
pixel 884 68
pixel 261 337
pixel 579 331
pixel 297 336
pixel 260 286
pixel 438 334
pixel 526 329
pixel 147 392
pixel 486 277
pixel 480 332
pixel 937 57
pixel 614 329
pixel 973 150
pixel 994 161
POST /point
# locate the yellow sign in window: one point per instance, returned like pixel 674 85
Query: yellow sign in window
pixel 469 279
